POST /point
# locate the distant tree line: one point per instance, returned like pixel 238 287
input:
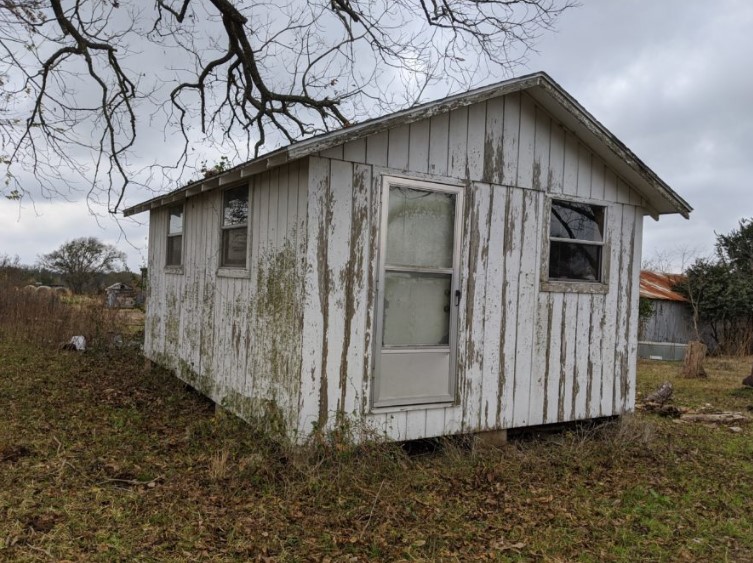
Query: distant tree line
pixel 84 265
pixel 720 290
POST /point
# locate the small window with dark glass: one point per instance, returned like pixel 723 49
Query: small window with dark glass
pixel 235 227
pixel 576 241
pixel 175 236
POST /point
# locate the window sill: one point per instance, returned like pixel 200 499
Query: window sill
pixel 389 409
pixel 227 272
pixel 593 288
pixel 175 270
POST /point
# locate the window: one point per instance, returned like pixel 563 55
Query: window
pixel 175 236
pixel 235 227
pixel 576 241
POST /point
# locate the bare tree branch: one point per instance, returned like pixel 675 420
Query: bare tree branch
pixel 87 86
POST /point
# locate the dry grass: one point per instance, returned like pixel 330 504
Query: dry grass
pixel 102 461
pixel 49 318
pixel 721 389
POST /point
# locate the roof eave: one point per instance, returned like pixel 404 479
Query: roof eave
pixel 660 198
pixel 326 141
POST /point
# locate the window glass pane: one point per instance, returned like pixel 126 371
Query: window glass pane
pixel 235 209
pixel 234 247
pixel 572 261
pixel 577 221
pixel 174 250
pixel 176 221
pixel 420 229
pixel 416 309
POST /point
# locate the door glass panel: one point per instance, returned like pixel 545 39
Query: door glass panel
pixel 417 309
pixel 420 228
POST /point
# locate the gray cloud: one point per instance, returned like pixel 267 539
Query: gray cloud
pixel 668 78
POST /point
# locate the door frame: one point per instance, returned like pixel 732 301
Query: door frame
pixel 434 186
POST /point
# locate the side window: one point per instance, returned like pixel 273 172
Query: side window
pixel 175 237
pixel 234 227
pixel 576 241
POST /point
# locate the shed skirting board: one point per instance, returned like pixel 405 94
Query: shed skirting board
pixel 293 338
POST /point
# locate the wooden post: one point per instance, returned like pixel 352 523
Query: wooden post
pixel 692 366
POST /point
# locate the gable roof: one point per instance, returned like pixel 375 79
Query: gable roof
pixel 660 286
pixel 550 95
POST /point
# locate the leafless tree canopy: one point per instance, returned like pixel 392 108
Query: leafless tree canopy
pixel 83 82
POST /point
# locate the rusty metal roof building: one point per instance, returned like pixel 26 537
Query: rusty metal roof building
pixel 660 286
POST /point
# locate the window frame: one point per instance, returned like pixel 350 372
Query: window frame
pixel 176 266
pixel 566 285
pixel 234 269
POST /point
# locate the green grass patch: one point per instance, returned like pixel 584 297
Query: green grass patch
pixel 101 460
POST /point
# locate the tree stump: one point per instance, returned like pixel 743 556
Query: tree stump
pixel 692 365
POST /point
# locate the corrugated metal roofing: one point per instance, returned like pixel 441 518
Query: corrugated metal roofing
pixel 659 286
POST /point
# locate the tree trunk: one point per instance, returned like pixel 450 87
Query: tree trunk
pixel 692 366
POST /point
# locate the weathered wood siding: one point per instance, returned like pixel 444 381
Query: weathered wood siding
pixel 671 321
pixel 292 339
pixel 235 335
pixel 526 356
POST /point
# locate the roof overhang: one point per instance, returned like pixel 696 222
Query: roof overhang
pixel 660 197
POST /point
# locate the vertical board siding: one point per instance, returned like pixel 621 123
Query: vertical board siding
pixel 491 385
pixel 494 157
pixel 623 308
pixel 528 277
pixel 527 146
pixel 525 357
pixel 438 144
pixel 508 344
pixel 313 370
pixel 338 308
pixel 609 318
pixel 556 173
pixel 670 321
pixel 541 150
pixel 418 151
pixel 637 241
pixel 338 318
pixel 458 142
pixel 294 339
pixel 476 142
pixel 473 314
pixel 572 160
pixel 236 339
pixel 398 151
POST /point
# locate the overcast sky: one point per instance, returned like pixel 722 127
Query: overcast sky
pixel 671 79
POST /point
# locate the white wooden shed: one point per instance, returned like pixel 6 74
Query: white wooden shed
pixel 467 265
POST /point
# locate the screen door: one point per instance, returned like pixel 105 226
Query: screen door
pixel 418 293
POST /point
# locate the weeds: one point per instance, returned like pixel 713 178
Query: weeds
pixel 50 318
pixel 102 460
pixel 218 465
